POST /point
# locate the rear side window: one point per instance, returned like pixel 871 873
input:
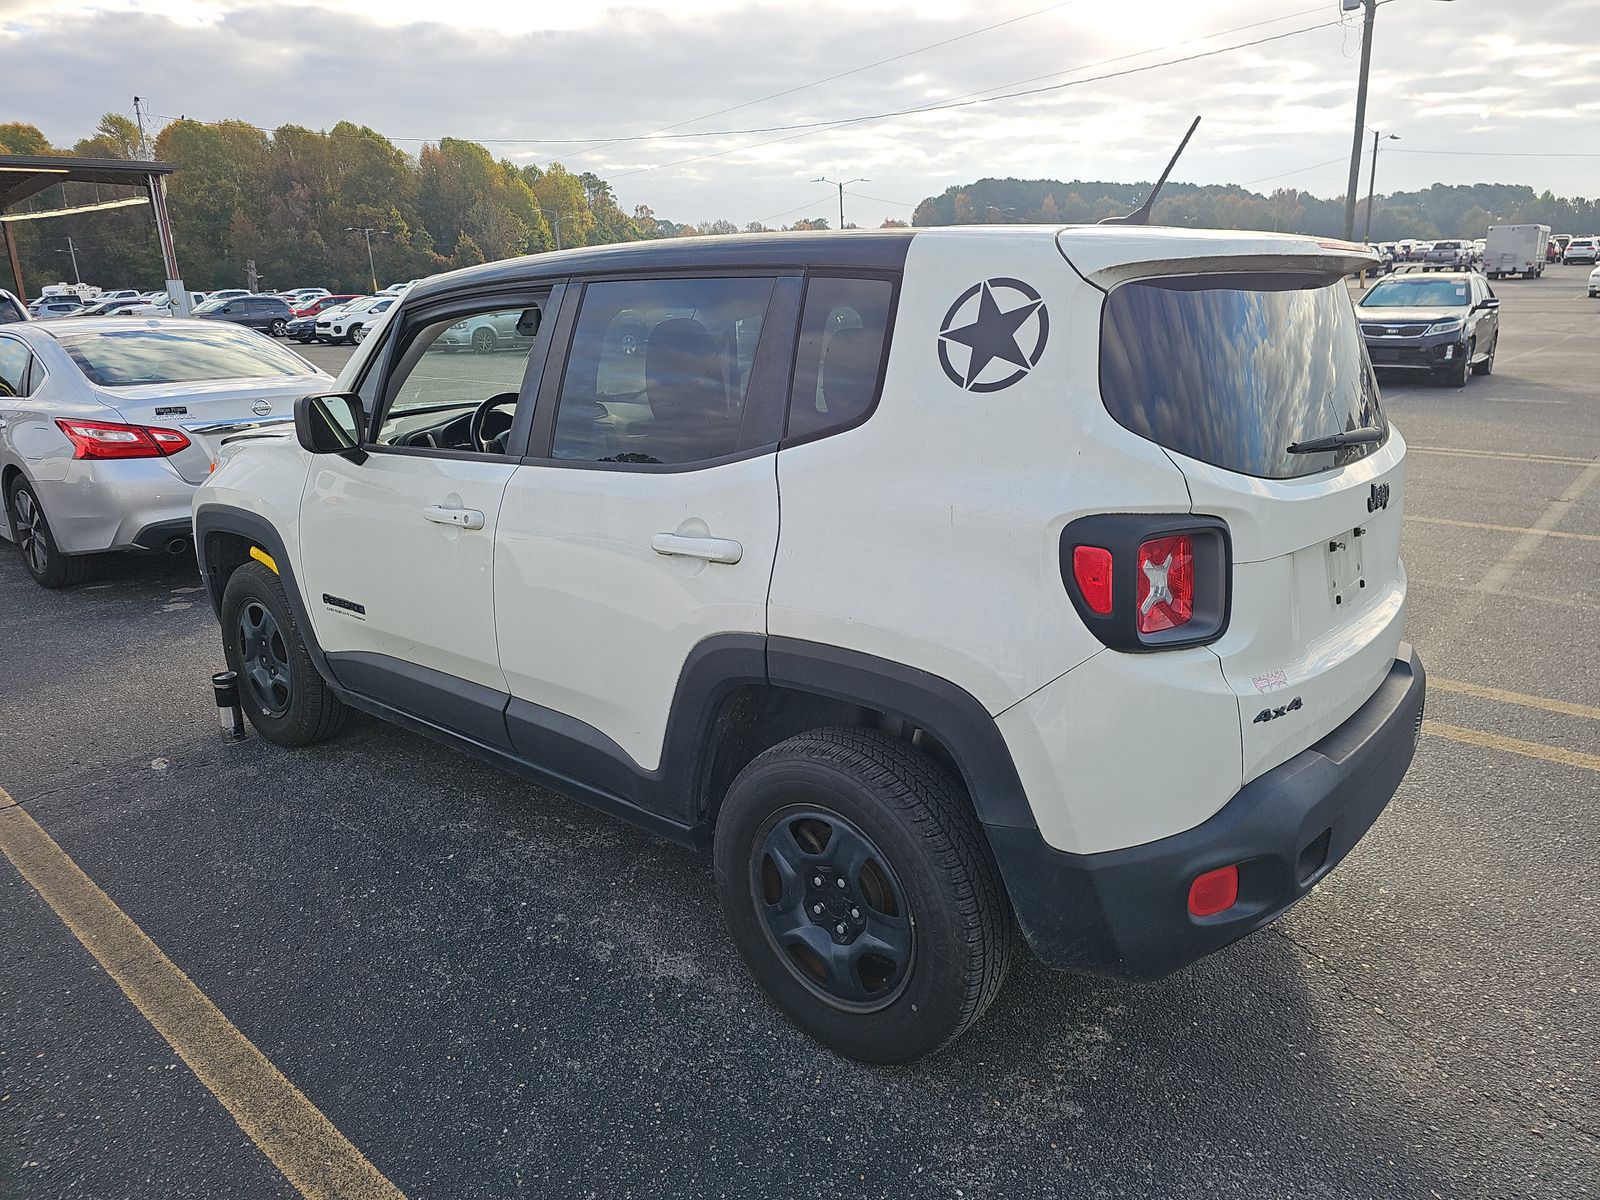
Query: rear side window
pixel 659 370
pixel 1230 369
pixel 839 361
pixel 14 358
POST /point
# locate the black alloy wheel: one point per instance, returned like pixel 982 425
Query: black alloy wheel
pixel 45 562
pixel 833 908
pixel 265 658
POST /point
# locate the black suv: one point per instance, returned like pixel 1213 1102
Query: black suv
pixel 266 313
pixel 1442 324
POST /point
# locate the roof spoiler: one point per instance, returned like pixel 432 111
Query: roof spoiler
pixel 1141 215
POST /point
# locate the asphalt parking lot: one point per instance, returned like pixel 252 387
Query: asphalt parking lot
pixel 491 991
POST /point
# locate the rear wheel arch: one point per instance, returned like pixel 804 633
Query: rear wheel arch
pixel 721 722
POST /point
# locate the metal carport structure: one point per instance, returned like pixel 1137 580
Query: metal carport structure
pixel 25 175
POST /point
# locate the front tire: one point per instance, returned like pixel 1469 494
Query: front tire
pixel 356 334
pixel 280 690
pixel 857 884
pixel 1486 367
pixel 45 561
pixel 1455 375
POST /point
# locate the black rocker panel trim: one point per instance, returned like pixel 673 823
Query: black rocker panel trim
pixel 458 705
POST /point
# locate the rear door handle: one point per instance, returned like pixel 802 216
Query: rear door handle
pixel 461 518
pixel 718 550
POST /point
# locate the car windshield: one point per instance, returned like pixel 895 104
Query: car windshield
pixel 1232 369
pixel 1418 293
pixel 126 358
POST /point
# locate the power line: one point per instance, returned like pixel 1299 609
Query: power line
pixel 832 78
pixel 810 128
pixel 961 100
pixel 1292 171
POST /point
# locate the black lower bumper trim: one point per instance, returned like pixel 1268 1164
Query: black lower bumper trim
pixel 159 536
pixel 1125 913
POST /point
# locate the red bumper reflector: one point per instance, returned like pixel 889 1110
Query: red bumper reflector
pixel 1214 892
pixel 1091 567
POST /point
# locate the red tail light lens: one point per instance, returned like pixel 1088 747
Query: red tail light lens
pixel 1165 583
pixel 107 439
pixel 1214 892
pixel 1091 567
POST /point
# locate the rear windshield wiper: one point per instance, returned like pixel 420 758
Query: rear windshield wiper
pixel 1350 437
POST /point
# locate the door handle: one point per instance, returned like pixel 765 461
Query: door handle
pixel 461 518
pixel 719 550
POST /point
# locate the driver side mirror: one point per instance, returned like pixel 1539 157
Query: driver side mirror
pixel 331 424
pixel 1491 302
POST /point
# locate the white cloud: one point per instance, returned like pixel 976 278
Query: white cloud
pixel 504 72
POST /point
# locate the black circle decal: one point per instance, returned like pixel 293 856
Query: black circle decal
pixel 987 338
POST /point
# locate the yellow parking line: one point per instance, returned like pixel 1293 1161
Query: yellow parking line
pixel 1508 455
pixel 1555 533
pixel 1494 741
pixel 302 1143
pixel 1565 707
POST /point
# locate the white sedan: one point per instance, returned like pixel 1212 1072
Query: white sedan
pixel 107 426
pixel 1594 283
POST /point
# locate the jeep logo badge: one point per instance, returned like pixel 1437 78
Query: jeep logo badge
pixel 261 407
pixel 1379 497
pixel 996 340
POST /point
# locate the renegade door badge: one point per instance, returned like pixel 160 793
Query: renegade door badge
pixel 993 331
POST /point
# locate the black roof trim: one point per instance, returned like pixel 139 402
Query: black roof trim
pixel 875 250
pixel 28 174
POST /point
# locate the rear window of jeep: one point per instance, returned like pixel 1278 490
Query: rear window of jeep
pixel 1232 369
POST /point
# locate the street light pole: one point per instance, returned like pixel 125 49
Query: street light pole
pixel 841 187
pixel 1372 178
pixel 72 250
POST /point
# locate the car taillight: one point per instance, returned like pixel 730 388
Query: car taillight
pixel 1165 583
pixel 1091 567
pixel 107 439
pixel 1143 582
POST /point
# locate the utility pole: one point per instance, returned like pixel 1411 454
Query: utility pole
pixel 841 187
pixel 1372 178
pixel 555 226
pixel 1371 7
pixel 367 231
pixel 72 250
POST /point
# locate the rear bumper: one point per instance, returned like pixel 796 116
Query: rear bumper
pixel 1124 913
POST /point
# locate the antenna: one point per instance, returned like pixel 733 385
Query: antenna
pixel 1141 215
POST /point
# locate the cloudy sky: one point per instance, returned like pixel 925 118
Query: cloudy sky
pixel 634 89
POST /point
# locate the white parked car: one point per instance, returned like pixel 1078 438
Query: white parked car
pixel 227 294
pixel 351 322
pixel 1582 250
pixel 1594 283
pixel 107 426
pixel 1085 624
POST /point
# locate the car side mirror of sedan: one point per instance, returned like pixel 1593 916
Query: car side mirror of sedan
pixel 1491 302
pixel 331 424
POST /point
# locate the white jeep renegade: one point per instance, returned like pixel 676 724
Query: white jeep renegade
pixel 948 584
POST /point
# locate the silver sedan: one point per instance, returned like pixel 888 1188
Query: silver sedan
pixel 107 426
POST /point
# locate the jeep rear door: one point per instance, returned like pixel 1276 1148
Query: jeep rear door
pixel 645 518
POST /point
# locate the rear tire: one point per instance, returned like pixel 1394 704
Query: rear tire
pixel 914 946
pixel 45 561
pixel 280 690
pixel 279 325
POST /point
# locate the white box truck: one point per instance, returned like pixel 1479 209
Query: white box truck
pixel 1515 250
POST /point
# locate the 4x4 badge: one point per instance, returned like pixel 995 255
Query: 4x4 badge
pixel 986 333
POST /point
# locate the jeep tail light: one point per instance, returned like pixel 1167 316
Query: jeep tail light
pixel 1165 583
pixel 1091 567
pixel 107 439
pixel 1214 892
pixel 1143 582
